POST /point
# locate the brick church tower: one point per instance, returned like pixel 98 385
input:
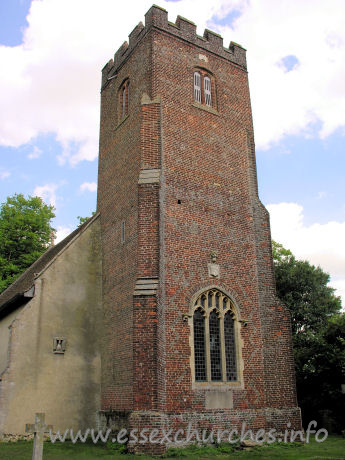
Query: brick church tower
pixel 193 330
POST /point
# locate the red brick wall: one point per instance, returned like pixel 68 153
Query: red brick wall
pixel 206 167
pixel 119 166
pixel 145 307
pixel 206 200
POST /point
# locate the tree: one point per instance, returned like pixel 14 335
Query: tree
pixel 82 220
pixel 25 234
pixel 303 289
pixel 318 330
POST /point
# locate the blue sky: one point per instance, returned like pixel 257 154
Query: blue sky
pixel 52 52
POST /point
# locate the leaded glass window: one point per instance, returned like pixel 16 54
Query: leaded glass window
pixel 214 331
pixel 199 346
pixel 230 350
pixel 215 356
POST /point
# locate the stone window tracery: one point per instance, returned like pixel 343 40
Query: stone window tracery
pixel 214 337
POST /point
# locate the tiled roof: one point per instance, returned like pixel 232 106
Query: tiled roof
pixel 26 279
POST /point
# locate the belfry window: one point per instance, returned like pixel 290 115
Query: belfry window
pixel 207 91
pixel 197 87
pixel 214 336
pixel 124 99
pixel 203 88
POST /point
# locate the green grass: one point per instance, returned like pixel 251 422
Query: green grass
pixel 332 448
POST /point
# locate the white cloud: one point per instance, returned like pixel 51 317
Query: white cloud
pixel 314 91
pixel 61 233
pixel 4 174
pixel 339 285
pixel 47 192
pixel 320 244
pixel 36 153
pixel 50 83
pixel 89 186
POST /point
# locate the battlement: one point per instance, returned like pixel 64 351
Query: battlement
pixel 157 17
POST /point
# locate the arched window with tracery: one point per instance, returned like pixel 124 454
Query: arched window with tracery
pixel 214 337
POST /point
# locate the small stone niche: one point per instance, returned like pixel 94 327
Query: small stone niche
pixel 59 345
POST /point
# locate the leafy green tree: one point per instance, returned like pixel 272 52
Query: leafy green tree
pixel 280 254
pixel 82 220
pixel 319 383
pixel 318 330
pixel 25 234
pixel 304 290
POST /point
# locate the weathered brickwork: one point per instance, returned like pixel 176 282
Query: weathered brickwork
pixel 119 168
pixel 183 177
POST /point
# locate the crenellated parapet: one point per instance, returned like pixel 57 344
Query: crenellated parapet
pixel 157 18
